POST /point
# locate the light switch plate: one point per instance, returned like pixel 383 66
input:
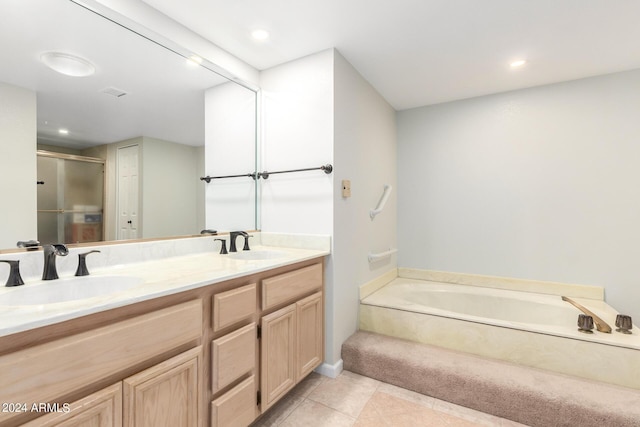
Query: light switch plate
pixel 346 188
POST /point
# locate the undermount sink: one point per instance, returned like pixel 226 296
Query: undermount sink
pixel 258 255
pixel 67 289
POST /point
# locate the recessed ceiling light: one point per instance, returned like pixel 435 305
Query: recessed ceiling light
pixel 518 63
pixel 67 64
pixel 194 60
pixel 63 131
pixel 260 34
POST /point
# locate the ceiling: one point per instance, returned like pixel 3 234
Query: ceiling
pixel 422 52
pixel 164 95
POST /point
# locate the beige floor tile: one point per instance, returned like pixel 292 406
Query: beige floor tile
pixel 280 411
pixel 371 422
pixel 388 406
pixel 398 412
pixel 313 414
pixel 403 393
pixel 361 379
pixel 358 401
pixel 307 385
pixel 346 393
pixel 477 417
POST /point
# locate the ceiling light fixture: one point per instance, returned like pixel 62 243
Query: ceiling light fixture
pixel 518 63
pixel 63 131
pixel 194 60
pixel 69 65
pixel 260 34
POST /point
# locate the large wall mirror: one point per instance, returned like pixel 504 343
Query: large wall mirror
pixel 116 149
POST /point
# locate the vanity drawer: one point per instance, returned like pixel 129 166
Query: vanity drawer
pixel 290 286
pixel 233 356
pixel 233 306
pixel 237 407
pixel 48 371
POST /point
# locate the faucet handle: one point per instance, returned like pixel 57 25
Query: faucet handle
pixel 624 324
pixel 246 243
pixel 209 231
pixel 585 323
pixel 223 248
pixel 31 245
pixel 14 278
pixel 82 263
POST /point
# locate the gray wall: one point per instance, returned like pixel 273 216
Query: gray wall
pixel 365 154
pixel 540 183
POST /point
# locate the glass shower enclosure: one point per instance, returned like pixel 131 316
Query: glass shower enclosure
pixel 70 198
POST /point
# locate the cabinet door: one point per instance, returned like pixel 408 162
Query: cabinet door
pixel 233 356
pixel 310 340
pixel 165 395
pixel 100 409
pixel 278 355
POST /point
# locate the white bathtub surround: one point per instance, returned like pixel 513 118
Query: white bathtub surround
pixel 524 285
pixel 377 283
pixel 165 267
pixel 527 328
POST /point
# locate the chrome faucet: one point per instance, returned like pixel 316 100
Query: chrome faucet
pixel 50 252
pixel 232 240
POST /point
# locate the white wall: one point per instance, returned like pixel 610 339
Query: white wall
pixel 365 154
pixel 319 110
pixel 539 183
pixel 297 126
pixel 230 140
pixel 18 161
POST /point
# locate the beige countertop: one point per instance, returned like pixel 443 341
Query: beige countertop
pixel 158 278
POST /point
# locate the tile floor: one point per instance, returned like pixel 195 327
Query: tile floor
pixel 354 400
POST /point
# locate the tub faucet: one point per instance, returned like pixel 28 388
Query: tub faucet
pixel 50 252
pixel 233 236
pixel 601 325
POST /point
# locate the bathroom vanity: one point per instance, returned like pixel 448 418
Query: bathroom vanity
pixel 176 351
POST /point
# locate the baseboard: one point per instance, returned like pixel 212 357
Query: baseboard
pixel 331 371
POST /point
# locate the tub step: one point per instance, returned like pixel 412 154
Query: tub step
pixel 527 395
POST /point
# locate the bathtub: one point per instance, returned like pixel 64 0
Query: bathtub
pixel 528 328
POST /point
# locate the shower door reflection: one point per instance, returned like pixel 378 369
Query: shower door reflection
pixel 70 198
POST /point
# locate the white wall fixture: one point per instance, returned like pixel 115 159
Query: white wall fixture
pixel 382 202
pixel 381 255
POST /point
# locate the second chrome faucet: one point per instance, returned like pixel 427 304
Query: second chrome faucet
pixel 50 271
pixel 232 240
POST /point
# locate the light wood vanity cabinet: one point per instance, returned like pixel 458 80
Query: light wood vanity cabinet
pixel 166 394
pixel 292 336
pixel 100 409
pixel 214 356
pixel 163 395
